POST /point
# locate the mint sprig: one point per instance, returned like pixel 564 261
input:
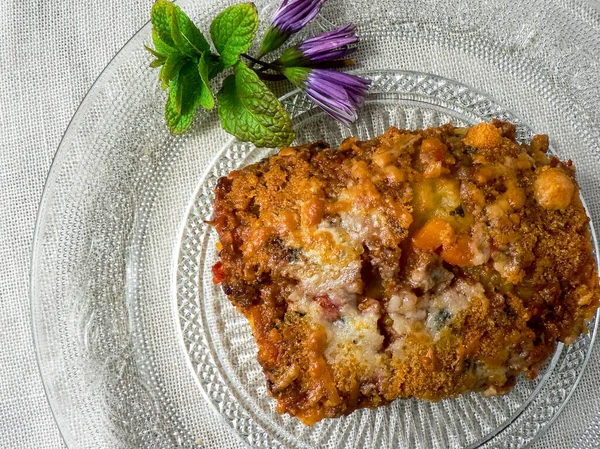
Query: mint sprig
pixel 248 109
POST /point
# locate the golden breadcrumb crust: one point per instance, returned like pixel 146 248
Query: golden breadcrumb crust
pixel 422 264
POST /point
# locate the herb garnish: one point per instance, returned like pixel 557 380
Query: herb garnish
pixel 247 107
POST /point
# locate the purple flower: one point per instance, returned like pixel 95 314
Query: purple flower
pixel 337 93
pixel 290 17
pixel 322 48
pixel 293 15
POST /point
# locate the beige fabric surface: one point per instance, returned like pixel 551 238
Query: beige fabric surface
pixel 50 54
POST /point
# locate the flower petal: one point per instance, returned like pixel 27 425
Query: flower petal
pixel 337 93
pixel 329 46
pixel 292 16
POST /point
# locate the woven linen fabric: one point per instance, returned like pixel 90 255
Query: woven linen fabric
pixel 50 55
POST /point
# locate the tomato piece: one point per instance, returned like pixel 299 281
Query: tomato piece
pixel 218 274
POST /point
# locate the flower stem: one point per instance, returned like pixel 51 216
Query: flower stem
pixel 270 76
pixel 332 64
pixel 261 63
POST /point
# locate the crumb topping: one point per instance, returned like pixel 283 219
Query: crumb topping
pixel 422 264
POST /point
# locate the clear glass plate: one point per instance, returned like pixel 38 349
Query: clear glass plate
pixel 133 340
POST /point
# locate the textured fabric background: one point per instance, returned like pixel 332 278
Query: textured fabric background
pixel 50 54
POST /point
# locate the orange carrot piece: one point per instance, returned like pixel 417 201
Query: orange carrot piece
pixel 458 253
pixel 435 233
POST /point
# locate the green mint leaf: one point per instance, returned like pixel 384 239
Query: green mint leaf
pixel 187 37
pixel 161 21
pixel 157 63
pixel 251 112
pixel 215 65
pixel 207 100
pixel 190 87
pixel 233 31
pixel 160 46
pixel 154 52
pixel 176 96
pixel 177 123
pixel 171 68
pixel 184 98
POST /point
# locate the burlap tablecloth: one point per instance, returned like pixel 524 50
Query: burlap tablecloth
pixel 50 54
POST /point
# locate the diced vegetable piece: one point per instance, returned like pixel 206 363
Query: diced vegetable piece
pixel 435 233
pixel 459 253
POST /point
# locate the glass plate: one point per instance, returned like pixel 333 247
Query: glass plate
pixel 133 340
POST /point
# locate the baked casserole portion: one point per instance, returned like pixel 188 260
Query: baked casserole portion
pixel 421 264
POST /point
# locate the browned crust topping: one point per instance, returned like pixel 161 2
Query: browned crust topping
pixel 417 264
